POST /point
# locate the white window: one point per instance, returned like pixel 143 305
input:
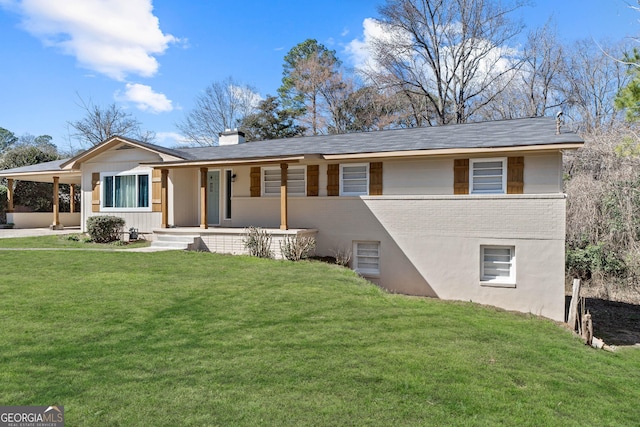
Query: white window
pixel 126 191
pixel 296 181
pixel 498 264
pixel 366 259
pixel 354 179
pixel 488 176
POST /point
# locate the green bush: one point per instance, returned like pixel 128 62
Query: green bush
pixel 104 229
pixel 584 262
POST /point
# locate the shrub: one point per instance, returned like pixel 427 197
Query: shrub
pixel 592 259
pixel 295 248
pixel 342 256
pixel 104 229
pixel 258 242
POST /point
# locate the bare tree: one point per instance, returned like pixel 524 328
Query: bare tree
pixel 101 123
pixel 537 86
pixel 222 106
pixel 452 53
pixel 592 78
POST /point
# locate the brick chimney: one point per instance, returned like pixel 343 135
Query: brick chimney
pixel 231 137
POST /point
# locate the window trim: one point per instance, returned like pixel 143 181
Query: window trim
pixel 507 282
pixel 351 193
pixel 366 272
pixel 289 194
pixel 472 162
pixel 135 173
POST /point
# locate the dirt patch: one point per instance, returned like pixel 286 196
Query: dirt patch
pixel 617 323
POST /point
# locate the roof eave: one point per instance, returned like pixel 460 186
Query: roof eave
pixel 107 144
pixel 452 151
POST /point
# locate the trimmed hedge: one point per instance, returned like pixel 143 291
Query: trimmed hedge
pixel 104 228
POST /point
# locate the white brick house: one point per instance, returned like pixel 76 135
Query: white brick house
pixel 466 212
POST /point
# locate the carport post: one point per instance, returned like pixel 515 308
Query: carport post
pixel 9 195
pixel 72 198
pixel 56 205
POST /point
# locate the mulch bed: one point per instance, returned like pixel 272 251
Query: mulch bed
pixel 617 323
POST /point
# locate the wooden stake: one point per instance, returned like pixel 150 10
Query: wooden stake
pixel 587 329
pixel 573 306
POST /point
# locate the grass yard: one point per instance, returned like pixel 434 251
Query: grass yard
pixel 195 339
pixel 66 241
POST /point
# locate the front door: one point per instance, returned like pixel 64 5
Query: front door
pixel 213 198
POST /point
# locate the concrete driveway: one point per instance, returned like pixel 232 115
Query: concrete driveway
pixel 30 232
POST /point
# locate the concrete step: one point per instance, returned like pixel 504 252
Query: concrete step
pixel 174 242
pixel 176 237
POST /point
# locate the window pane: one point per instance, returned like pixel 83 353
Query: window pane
pixel 354 180
pixel 272 181
pixel 296 184
pixel 487 177
pixel 367 257
pixel 107 195
pixel 125 191
pixel 497 263
pixel 143 191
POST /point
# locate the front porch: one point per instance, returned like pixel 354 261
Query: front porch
pixel 224 240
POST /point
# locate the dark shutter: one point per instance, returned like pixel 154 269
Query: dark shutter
pixel 515 175
pixel 461 176
pixel 375 179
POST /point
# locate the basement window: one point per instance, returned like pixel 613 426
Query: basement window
pixel 366 259
pixel 498 266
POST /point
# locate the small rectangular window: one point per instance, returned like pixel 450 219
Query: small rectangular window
pixel 366 257
pixel 296 181
pixel 354 180
pixel 488 176
pixel 125 191
pixel 497 264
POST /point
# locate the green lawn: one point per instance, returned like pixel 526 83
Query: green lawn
pixel 188 338
pixel 66 241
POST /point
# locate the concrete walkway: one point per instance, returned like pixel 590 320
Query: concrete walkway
pixel 30 232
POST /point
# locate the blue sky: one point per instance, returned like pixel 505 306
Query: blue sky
pixel 153 58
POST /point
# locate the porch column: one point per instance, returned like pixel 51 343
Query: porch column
pixel 56 205
pixel 72 198
pixel 9 195
pixel 164 197
pixel 203 198
pixel 284 224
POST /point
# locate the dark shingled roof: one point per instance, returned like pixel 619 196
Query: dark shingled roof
pixel 494 134
pixel 40 167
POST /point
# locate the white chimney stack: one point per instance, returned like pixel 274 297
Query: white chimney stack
pixel 231 137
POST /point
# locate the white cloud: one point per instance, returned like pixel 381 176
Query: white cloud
pixel 173 139
pixel 112 37
pixel 360 50
pixel 245 95
pixel 145 98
